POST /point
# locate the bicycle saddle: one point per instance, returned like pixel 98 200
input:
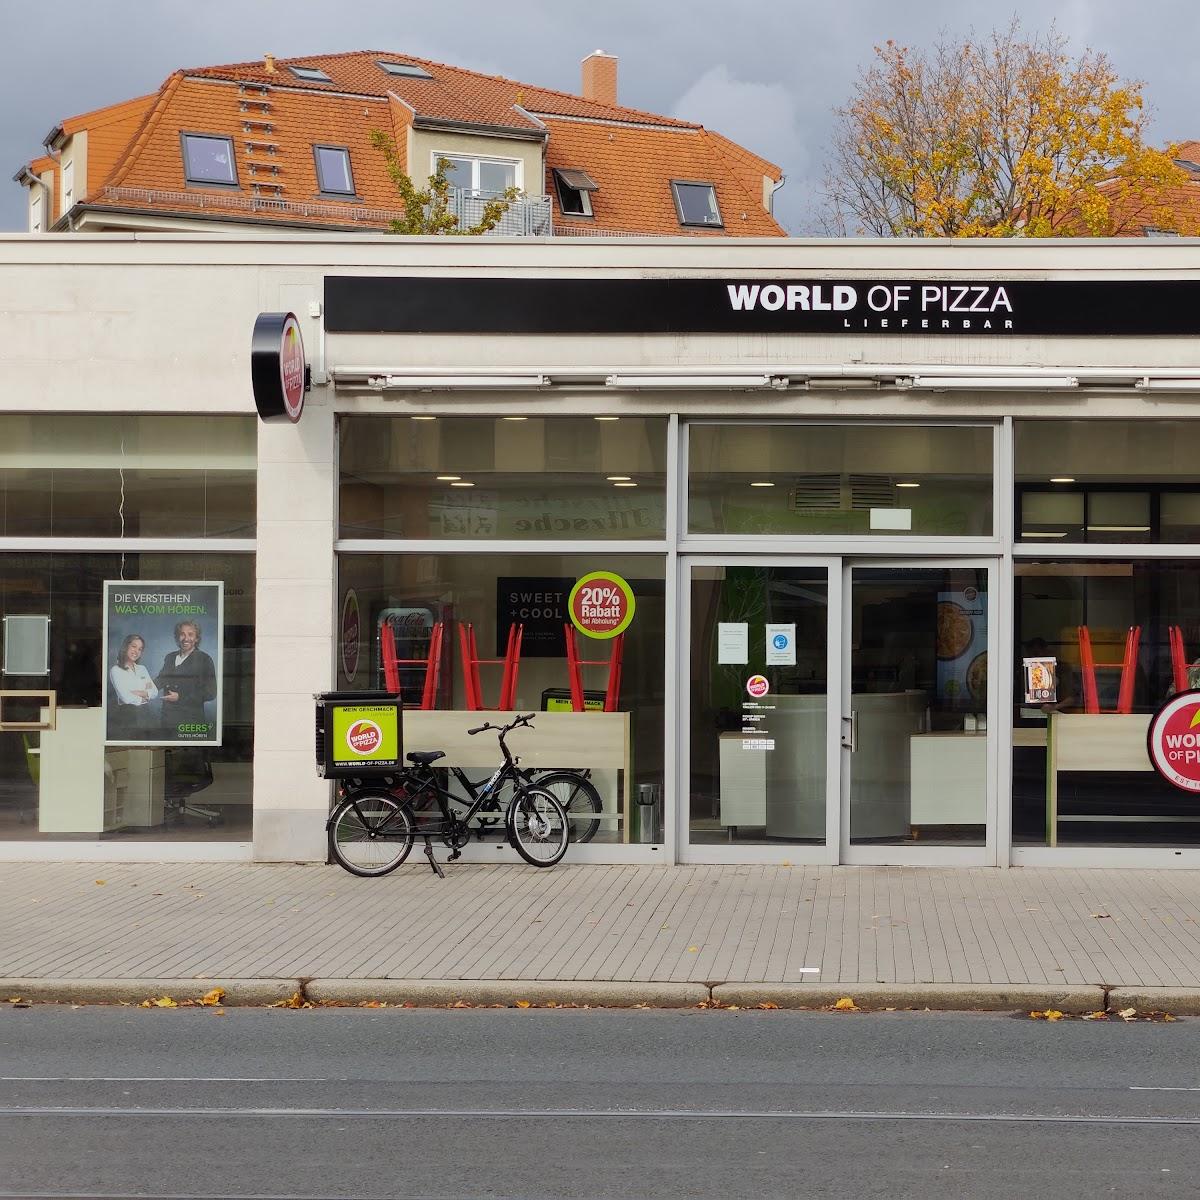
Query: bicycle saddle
pixel 424 757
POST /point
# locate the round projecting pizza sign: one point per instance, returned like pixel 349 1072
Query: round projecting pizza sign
pixel 278 372
pixel 1173 741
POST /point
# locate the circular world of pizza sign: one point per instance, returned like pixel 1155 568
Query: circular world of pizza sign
pixel 601 605
pixel 1173 741
pixel 364 737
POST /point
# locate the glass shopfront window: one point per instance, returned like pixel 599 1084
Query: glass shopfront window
pixel 529 478
pixel 477 620
pixel 1122 635
pixel 127 476
pixel 872 480
pixel 1108 481
pixel 150 657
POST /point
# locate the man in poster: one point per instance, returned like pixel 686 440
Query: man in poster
pixel 187 681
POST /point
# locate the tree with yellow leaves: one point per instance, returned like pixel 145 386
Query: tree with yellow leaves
pixel 428 210
pixel 1002 136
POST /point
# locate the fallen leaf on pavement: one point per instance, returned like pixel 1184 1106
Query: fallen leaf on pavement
pixel 1127 1014
pixel 372 1004
pixel 1051 1014
pixel 693 949
pixel 101 882
pixel 767 1004
pixel 213 997
pixel 462 1004
pixel 218 1012
pixel 846 1004
pixel 1095 1016
pixel 160 1002
pixel 522 1003
pixel 295 1000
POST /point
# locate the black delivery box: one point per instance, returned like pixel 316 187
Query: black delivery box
pixel 359 734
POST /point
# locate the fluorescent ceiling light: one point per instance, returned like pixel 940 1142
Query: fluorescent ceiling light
pixel 426 383
pixel 1025 533
pixel 1025 383
pixel 515 418
pixel 606 418
pixel 762 483
pixel 617 478
pixel 449 478
pixel 627 483
pixel 1118 528
pixel 688 381
pixel 1062 478
pixel 1169 385
pixel 423 417
pixel 908 483
pixel 463 483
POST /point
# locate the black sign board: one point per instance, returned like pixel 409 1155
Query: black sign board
pixel 762 304
pixel 540 605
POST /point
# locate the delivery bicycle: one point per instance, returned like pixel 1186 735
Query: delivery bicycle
pixel 374 825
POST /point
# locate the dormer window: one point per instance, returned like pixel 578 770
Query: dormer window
pixel 334 176
pixel 208 159
pixel 696 203
pixel 35 212
pixel 574 189
pixel 310 74
pixel 411 70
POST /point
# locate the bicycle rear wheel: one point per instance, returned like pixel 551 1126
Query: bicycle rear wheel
pixel 537 827
pixel 580 800
pixel 370 834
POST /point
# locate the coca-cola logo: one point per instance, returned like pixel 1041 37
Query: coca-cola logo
pixel 364 737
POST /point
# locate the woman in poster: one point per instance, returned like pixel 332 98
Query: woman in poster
pixel 133 688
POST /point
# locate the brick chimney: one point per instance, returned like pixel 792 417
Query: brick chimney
pixel 269 63
pixel 600 77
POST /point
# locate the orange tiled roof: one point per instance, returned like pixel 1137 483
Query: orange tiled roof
pixel 273 119
pixel 632 168
pixel 453 93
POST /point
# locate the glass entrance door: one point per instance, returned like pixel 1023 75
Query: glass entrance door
pixel 918 709
pixel 762 761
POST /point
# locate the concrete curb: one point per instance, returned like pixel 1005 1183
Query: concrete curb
pixel 947 997
pixel 428 992
pixel 1185 1001
pixel 134 991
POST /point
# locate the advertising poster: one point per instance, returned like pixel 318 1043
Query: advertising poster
pixel 539 603
pixel 962 632
pixel 163 642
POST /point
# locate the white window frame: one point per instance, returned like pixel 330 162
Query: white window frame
pixel 68 185
pixel 475 160
pixel 35 210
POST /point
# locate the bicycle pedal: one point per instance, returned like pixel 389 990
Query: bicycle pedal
pixel 455 855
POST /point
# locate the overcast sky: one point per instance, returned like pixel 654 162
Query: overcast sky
pixel 764 72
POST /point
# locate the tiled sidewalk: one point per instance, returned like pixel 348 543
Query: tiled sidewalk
pixel 746 923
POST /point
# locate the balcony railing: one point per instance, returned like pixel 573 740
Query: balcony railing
pixel 526 216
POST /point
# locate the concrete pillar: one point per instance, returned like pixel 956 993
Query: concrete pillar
pixel 294 644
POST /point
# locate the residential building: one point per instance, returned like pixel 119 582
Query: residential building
pixel 287 143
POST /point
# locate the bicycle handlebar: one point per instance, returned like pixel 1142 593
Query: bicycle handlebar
pixel 526 719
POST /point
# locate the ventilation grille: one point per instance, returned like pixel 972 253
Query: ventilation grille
pixel 842 493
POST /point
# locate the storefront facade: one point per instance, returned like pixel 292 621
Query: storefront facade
pixel 830 483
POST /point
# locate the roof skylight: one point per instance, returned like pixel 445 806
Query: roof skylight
pixel 310 74
pixel 404 68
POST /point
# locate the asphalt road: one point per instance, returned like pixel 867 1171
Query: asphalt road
pixel 426 1103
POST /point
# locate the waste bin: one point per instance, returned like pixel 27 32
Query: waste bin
pixel 646 814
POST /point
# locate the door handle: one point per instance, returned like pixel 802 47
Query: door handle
pixel 850 732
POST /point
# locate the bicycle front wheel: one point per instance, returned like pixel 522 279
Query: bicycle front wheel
pixel 370 834
pixel 580 801
pixel 537 827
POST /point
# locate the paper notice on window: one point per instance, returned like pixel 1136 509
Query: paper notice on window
pixel 781 645
pixel 733 642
